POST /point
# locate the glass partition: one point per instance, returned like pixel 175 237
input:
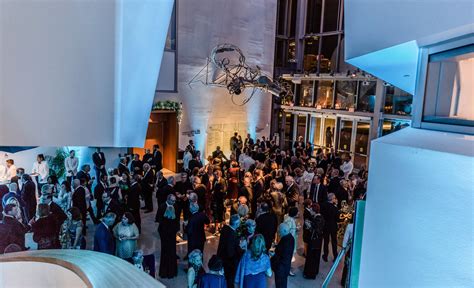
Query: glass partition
pixel 392 125
pixel 329 132
pixel 331 15
pixel 366 96
pixel 311 52
pixel 345 135
pixel 317 130
pixel 313 16
pixel 306 96
pixel 328 53
pixel 325 94
pixel 397 101
pixel 345 94
pixel 288 129
pixel 301 126
pixel 361 144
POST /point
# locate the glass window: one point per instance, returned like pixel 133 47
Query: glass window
pixel 279 52
pixel 316 130
pixel 291 51
pixel 306 96
pixel 171 37
pixel 366 97
pixel 328 53
pixel 288 129
pixel 292 15
pixel 359 161
pixel 362 138
pixel 345 94
pixel 331 15
pixel 281 17
pixel 328 134
pixel 449 94
pixel 345 136
pixel 313 16
pixel 392 125
pixel 301 126
pixel 324 94
pixel 397 101
pixel 311 52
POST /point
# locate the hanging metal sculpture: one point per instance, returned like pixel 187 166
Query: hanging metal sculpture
pixel 229 70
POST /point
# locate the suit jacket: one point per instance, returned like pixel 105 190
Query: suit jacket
pixel 147 158
pixel 98 160
pixel 292 193
pixel 267 225
pixel 113 206
pixel 147 181
pixel 200 191
pixel 28 195
pixel 79 200
pixel 157 160
pixel 98 191
pixel 133 199
pixel 104 240
pixel 322 193
pixel 195 230
pixel 163 193
pixel 58 214
pixel 281 261
pixel 16 231
pixel 122 168
pixel 331 216
pixel 229 249
pixel 334 185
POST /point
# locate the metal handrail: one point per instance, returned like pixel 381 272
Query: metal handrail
pixel 336 263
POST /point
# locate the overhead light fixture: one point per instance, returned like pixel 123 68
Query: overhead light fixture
pixel 296 80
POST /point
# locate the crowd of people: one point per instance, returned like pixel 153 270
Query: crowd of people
pixel 252 200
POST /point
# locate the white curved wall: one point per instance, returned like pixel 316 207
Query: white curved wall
pixel 76 72
pixel 39 275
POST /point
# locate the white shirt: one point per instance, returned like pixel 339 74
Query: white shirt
pixel 3 173
pixel 347 167
pixel 186 158
pixel 42 169
pixel 71 164
pixel 11 172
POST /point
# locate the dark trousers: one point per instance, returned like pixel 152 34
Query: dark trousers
pixel 333 235
pixel 138 220
pixel 70 178
pixel 229 274
pixel 281 279
pixel 148 197
pixel 313 257
pixel 182 206
pixel 98 172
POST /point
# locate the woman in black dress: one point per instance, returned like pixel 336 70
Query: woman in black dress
pixel 311 265
pixel 168 228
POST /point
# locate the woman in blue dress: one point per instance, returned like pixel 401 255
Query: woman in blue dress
pixel 254 265
pixel 215 277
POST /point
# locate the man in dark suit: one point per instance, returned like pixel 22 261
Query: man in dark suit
pixel 200 191
pixel 195 228
pixel 318 193
pixel 28 196
pixel 147 188
pixel 147 157
pixel 330 214
pixel 334 183
pixel 267 225
pixel 110 205
pixel 85 176
pixel 183 188
pixel 16 229
pixel 54 209
pixel 79 199
pixel 133 200
pixel 98 191
pixel 157 161
pixel 170 201
pixel 292 192
pixel 103 239
pixel 162 193
pixel 99 163
pixel 229 249
pixel 281 260
pixel 136 166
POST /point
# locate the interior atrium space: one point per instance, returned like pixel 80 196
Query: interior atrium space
pixel 225 144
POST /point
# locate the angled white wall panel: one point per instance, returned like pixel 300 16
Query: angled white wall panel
pixel 382 37
pixel 79 72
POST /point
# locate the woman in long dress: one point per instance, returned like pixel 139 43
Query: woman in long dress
pixel 71 232
pixel 168 228
pixel 126 233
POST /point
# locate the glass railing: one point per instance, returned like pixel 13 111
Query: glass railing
pixel 354 245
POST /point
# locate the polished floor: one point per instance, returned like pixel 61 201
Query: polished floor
pixel 149 242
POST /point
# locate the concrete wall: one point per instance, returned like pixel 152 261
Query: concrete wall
pixel 201 26
pixel 76 72
pixel 419 211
